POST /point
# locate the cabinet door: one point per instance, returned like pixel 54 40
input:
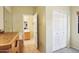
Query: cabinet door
pixel 27 35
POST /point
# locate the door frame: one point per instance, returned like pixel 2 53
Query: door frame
pixel 37 27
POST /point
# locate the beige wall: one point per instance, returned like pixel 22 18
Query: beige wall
pixel 9 8
pixel 49 29
pixel 42 28
pixel 74 28
pixel 5 19
pixel 1 18
pixel 18 17
pixel 8 21
pixel 31 26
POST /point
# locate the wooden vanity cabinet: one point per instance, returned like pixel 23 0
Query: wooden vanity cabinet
pixel 27 36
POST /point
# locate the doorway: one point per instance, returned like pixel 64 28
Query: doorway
pixel 30 28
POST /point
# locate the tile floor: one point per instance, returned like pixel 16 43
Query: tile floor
pixel 67 50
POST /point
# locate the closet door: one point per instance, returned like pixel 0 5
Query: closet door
pixel 59 30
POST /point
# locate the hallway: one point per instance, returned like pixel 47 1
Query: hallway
pixel 29 47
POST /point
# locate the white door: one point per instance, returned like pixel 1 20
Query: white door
pixel 59 30
pixel 35 28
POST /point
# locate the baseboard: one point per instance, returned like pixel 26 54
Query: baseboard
pixel 59 49
pixel 75 48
